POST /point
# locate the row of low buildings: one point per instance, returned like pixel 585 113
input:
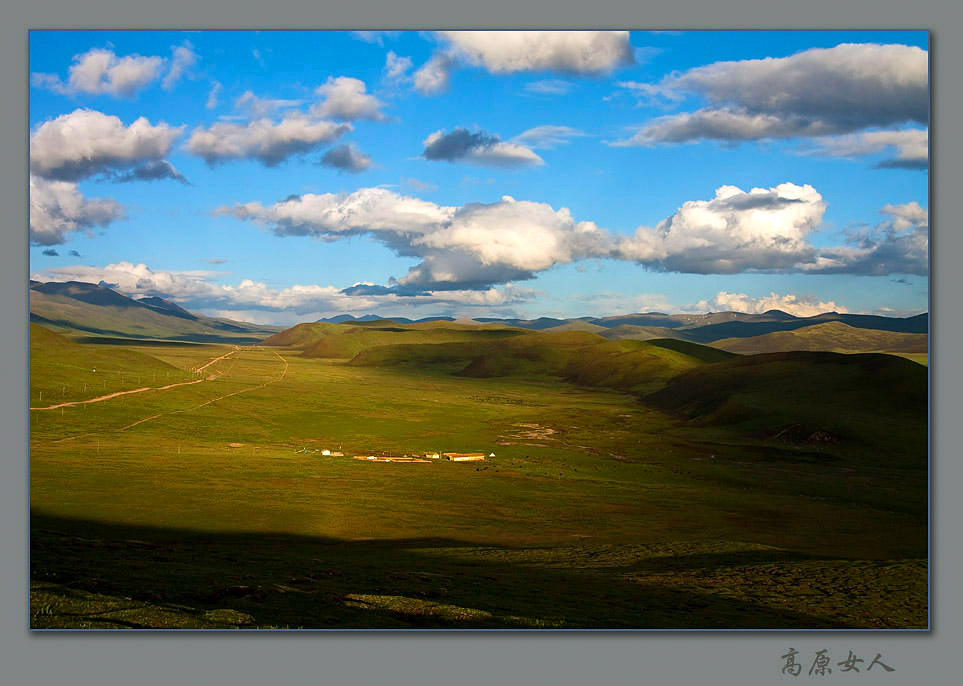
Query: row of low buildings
pixel 453 457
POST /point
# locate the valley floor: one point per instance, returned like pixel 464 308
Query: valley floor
pixel 205 506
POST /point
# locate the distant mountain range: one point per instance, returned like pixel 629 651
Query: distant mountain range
pixel 696 328
pixel 100 312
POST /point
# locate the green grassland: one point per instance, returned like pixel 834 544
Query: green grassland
pixel 613 500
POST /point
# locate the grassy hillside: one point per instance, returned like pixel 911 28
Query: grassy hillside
pixel 831 337
pixel 64 371
pixel 640 333
pixel 700 352
pixel 352 340
pixel 576 325
pixel 83 308
pixel 821 399
pixel 303 335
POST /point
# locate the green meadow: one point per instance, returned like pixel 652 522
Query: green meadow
pixel 634 485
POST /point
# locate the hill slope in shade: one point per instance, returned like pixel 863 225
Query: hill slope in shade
pixel 589 360
pixel 814 397
pixel 832 336
pixel 580 357
pixel 75 307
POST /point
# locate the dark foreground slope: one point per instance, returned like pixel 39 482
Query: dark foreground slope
pixel 872 401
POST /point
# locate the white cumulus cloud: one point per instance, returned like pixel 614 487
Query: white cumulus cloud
pixel 57 209
pixel 577 53
pixel 100 71
pixel 572 52
pixel 85 143
pixel 263 140
pixel 762 229
pixel 347 99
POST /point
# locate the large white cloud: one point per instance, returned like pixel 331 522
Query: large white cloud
pixel 347 99
pixel 263 140
pixel 762 229
pixel 57 209
pixel 368 210
pixel 818 92
pixel 85 143
pixel 472 246
pixel 505 52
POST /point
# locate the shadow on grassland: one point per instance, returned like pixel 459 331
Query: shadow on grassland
pixel 86 574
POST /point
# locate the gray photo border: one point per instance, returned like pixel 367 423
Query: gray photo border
pixel 597 659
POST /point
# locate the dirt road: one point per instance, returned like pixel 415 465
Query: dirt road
pixel 101 398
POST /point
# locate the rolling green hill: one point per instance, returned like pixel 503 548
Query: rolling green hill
pixel 830 336
pixel 83 308
pixel 353 339
pixel 303 335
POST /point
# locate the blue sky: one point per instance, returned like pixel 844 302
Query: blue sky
pixel 284 176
